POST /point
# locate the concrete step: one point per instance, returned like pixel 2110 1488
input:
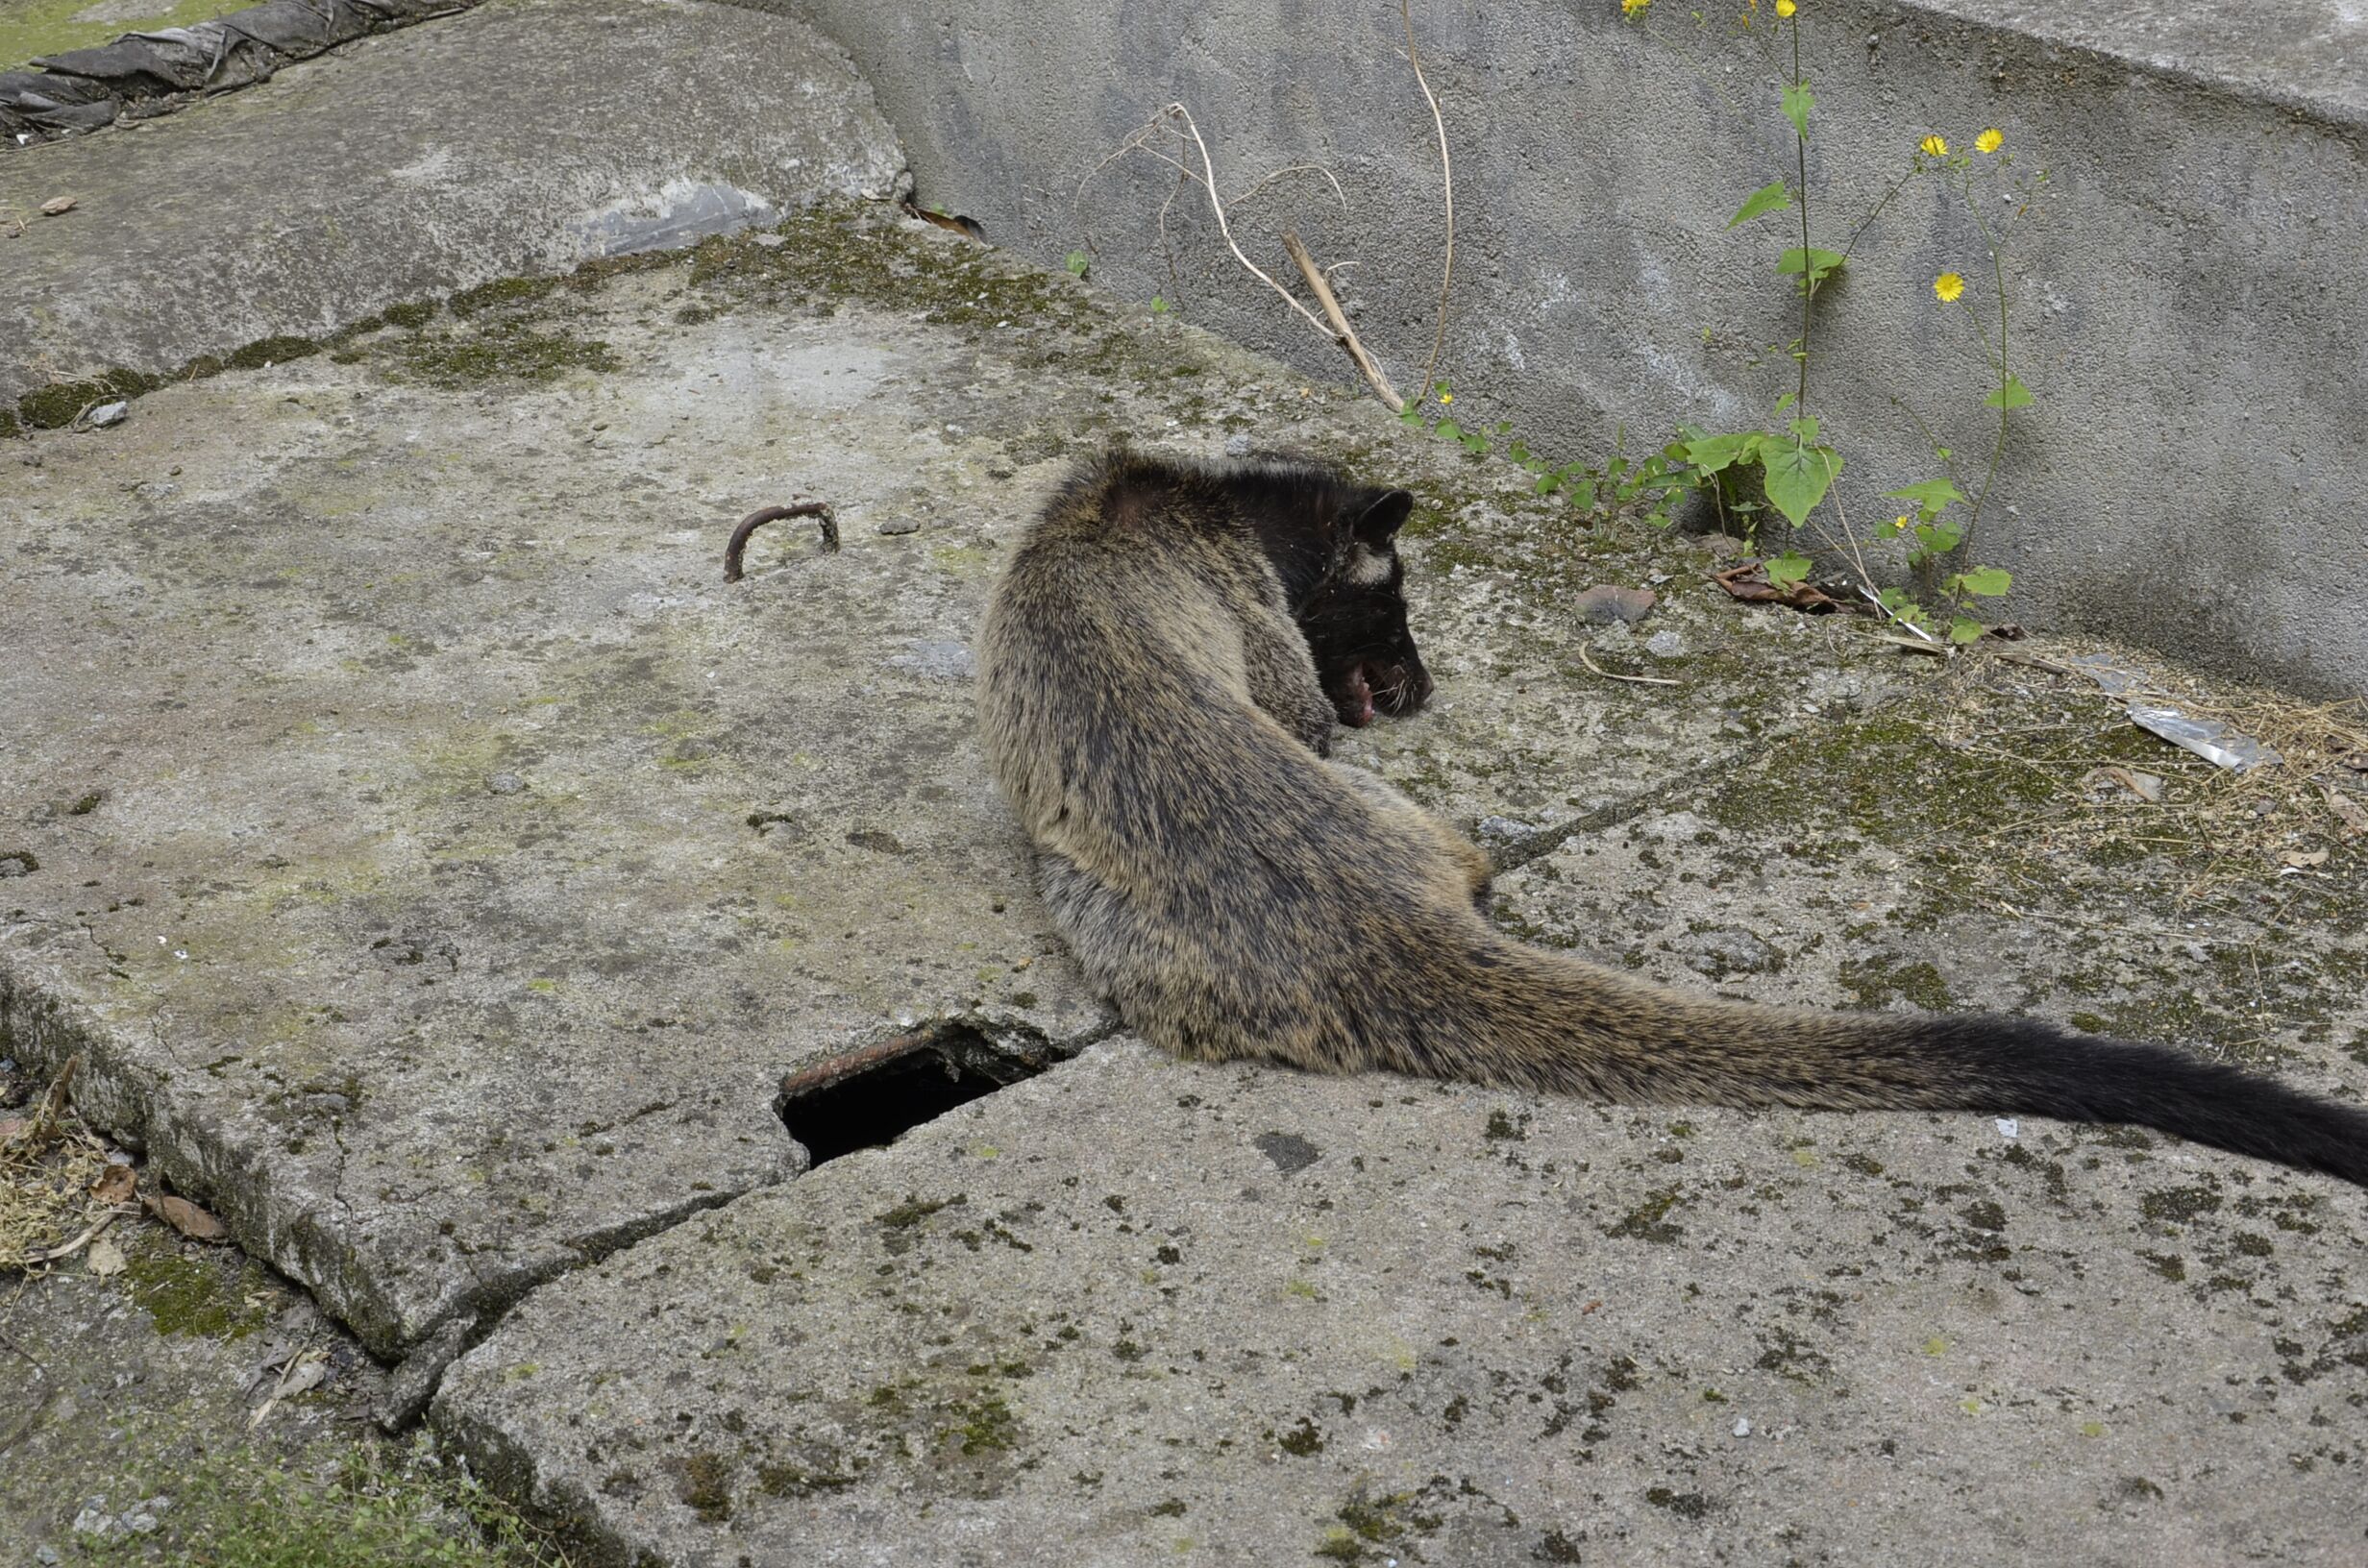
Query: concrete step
pixel 521 137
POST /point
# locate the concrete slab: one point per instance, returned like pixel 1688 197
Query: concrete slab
pixel 521 137
pixel 1138 1311
pixel 442 868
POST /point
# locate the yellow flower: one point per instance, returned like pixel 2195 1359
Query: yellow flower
pixel 1449 397
pixel 1899 523
pixel 1933 147
pixel 1629 8
pixel 1948 286
pixel 1785 7
pixel 1987 141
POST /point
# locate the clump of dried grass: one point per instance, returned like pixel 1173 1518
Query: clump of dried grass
pixel 2302 815
pixel 49 1164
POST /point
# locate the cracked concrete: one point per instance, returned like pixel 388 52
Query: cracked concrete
pixel 441 870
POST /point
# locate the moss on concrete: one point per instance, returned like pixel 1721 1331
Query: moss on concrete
pixel 192 1296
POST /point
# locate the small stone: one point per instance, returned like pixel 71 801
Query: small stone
pixel 1237 446
pixel 1605 604
pixel 18 865
pixel 95 1519
pixel 505 784
pixel 110 413
pixel 1665 644
pixel 1743 1428
pixel 2008 1127
pixel 47 1557
pixel 901 525
pixel 771 242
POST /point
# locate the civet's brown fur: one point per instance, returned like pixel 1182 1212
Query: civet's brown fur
pixel 1158 676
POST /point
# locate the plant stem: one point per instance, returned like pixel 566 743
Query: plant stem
pixel 1800 152
pixel 1998 448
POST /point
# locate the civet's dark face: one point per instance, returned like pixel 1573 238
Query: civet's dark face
pixel 1355 619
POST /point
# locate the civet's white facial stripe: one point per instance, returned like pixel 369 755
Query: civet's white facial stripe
pixel 1365 568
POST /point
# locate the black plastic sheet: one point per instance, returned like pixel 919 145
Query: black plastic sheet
pixel 148 73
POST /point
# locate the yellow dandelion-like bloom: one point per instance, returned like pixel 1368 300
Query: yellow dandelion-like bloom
pixel 1933 147
pixel 1785 7
pixel 1948 286
pixel 1629 8
pixel 1987 141
pixel 1449 397
pixel 1899 523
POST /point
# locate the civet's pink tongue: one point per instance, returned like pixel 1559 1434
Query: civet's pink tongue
pixel 1363 691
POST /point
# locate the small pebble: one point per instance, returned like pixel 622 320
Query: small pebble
pixel 1743 1428
pixel 505 784
pixel 2008 1127
pixel 110 413
pixel 1665 644
pixel 1237 446
pixel 901 525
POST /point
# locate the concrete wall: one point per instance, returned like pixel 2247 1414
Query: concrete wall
pixel 2190 299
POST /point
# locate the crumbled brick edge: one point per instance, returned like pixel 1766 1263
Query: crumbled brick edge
pixel 145 74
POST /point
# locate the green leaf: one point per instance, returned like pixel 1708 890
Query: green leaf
pixel 1582 494
pixel 2012 395
pixel 1450 430
pixel 1930 497
pixel 1987 581
pixel 1771 197
pixel 1711 453
pixel 1783 402
pixel 1159 306
pixel 1788 569
pixel 1812 261
pixel 1962 631
pixel 1798 101
pixel 1546 485
pixel 1798 477
pixel 1805 428
pixel 1078 262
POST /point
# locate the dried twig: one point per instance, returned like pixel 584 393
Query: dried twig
pixel 1637 680
pixel 50 1254
pixel 1341 333
pixel 1206 179
pixel 1447 176
pixel 820 510
pixel 47 1120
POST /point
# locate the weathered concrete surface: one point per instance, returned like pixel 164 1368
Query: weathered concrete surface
pixel 2187 295
pixel 463 864
pixel 1138 1311
pixel 521 137
pixel 418 670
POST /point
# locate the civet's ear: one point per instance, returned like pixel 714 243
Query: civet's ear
pixel 1381 521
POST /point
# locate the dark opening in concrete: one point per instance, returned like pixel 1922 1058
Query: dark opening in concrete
pixel 867 1099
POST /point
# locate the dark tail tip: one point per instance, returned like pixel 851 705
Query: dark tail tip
pixel 2038 1070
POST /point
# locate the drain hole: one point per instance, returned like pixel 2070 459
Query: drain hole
pixel 868 1099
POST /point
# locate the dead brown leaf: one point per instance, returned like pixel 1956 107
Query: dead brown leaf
pixel 2304 859
pixel 116 1184
pixel 954 221
pixel 2348 811
pixel 57 206
pixel 1749 584
pixel 187 1217
pixel 104 1259
pixel 12 1127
